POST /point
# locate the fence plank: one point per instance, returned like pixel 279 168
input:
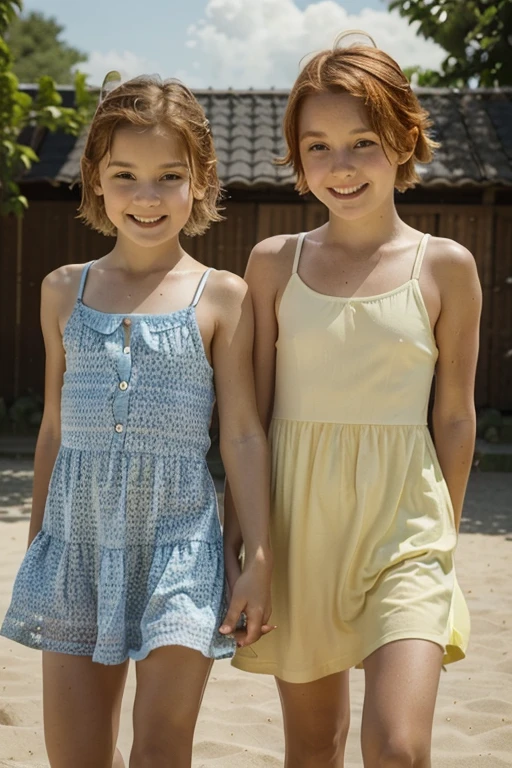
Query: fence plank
pixel 501 355
pixel 7 304
pixel 52 236
pixel 471 226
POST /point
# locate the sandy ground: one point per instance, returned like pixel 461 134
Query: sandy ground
pixel 240 722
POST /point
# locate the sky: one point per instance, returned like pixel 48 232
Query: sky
pixel 224 43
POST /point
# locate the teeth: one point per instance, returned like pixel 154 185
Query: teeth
pixel 146 221
pixel 348 190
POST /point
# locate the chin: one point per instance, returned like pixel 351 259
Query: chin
pixel 152 242
pixel 349 214
pixel 361 210
pixel 148 238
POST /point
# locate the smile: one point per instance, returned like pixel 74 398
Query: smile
pixel 348 192
pixel 146 221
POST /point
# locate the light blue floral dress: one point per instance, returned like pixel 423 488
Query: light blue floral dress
pixel 129 557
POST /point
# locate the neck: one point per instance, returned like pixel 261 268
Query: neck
pixel 136 259
pixel 368 233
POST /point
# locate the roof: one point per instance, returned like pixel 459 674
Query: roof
pixel 474 127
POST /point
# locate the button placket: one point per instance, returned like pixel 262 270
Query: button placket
pixel 121 397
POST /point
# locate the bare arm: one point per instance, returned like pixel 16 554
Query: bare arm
pixel 262 284
pixel 244 453
pixel 456 331
pixel 48 441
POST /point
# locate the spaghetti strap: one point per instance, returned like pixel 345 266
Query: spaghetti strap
pixel 298 249
pixel 200 288
pixel 83 279
pixel 418 261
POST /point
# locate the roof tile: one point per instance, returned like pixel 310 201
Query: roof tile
pixel 473 126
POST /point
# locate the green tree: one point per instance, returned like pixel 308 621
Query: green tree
pixel 476 34
pixel 18 111
pixel 37 50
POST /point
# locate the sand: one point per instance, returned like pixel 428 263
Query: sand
pixel 240 722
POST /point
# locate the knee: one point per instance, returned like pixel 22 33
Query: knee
pixel 148 756
pixel 324 742
pixel 153 756
pixel 401 753
pixel 161 749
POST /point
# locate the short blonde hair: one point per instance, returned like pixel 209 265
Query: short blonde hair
pixel 149 102
pixel 393 108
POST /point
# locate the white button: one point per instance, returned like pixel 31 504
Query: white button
pixel 123 385
pixel 38 629
pixel 126 350
pixel 119 427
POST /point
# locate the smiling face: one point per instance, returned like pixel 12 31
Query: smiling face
pixel 345 163
pixel 146 185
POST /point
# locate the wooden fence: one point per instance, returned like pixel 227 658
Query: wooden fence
pixel 50 235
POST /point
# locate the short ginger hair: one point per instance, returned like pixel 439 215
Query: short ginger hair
pixel 148 102
pixel 393 108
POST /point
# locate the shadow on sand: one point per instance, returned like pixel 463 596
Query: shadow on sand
pixel 488 507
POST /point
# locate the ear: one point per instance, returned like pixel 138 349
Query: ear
pixel 200 194
pixel 413 138
pixel 98 189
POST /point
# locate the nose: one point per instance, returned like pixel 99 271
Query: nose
pixel 147 196
pixel 343 164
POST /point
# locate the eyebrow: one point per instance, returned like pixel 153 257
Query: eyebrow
pixel 122 164
pixel 321 134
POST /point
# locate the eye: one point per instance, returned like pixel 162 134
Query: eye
pixel 170 177
pixel 317 147
pixel 365 143
pixel 124 175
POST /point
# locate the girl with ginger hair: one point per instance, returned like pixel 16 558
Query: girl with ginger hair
pixel 125 557
pixel 352 321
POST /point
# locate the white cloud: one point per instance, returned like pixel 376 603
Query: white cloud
pixel 242 44
pixel 127 63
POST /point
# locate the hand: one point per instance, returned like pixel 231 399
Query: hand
pixel 250 594
pixel 232 567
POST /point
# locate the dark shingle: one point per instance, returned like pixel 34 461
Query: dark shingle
pixel 241 141
pixel 499 109
pixel 473 126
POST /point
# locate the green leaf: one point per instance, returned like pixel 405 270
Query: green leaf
pixel 55 112
pixel 481 21
pixel 38 47
pixel 25 161
pixel 18 110
pixel 28 152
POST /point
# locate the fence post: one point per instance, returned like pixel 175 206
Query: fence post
pixel 18 292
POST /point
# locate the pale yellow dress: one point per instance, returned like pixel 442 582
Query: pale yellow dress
pixel 362 524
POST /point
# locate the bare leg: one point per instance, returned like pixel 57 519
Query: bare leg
pixel 316 721
pixel 82 706
pixel 118 761
pixel 170 687
pixel 402 679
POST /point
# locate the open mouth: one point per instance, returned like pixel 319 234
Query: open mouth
pixel 348 193
pixel 146 222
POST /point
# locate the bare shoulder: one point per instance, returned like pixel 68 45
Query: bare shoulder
pixel 274 246
pixel 59 290
pixel 270 262
pixel 274 250
pixel 454 270
pixel 63 282
pixel 226 289
pixel 449 257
